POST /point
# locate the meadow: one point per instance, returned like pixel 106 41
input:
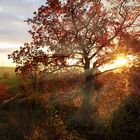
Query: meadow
pixel 10 70
pixel 12 79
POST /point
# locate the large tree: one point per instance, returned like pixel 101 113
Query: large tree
pixel 89 32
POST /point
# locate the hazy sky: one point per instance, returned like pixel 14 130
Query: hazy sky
pixel 13 29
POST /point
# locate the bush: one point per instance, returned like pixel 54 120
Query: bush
pixel 3 92
pixel 125 123
pixel 6 75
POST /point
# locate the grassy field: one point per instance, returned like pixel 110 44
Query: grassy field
pixel 12 81
pixel 9 70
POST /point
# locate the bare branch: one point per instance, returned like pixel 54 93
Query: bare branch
pixel 130 24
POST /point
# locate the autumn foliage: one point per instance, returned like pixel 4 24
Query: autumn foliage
pixel 3 92
pixel 90 33
pixel 68 89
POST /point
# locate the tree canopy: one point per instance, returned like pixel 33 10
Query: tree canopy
pixel 89 32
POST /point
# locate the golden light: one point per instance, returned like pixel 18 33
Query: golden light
pixel 121 60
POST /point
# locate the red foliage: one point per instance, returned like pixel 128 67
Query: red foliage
pixel 134 81
pixel 3 92
pixel 85 30
pixel 63 83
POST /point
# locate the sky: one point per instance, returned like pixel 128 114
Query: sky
pixel 13 29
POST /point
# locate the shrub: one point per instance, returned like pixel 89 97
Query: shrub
pixel 125 123
pixel 3 92
pixel 6 75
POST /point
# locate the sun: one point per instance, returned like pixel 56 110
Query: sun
pixel 121 61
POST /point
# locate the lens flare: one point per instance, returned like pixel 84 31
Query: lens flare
pixel 121 60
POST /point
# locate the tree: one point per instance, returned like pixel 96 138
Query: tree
pixel 91 33
pixel 6 75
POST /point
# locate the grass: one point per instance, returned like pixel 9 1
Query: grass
pixel 9 70
pixel 12 81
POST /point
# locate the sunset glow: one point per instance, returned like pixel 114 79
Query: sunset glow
pixel 121 60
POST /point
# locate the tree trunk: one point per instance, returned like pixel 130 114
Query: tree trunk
pixel 34 80
pixel 88 87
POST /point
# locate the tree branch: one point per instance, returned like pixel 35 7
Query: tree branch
pixel 107 71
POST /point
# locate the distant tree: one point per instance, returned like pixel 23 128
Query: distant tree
pixel 6 75
pixel 91 33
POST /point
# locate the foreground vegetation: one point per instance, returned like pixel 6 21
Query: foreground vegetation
pixel 56 113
